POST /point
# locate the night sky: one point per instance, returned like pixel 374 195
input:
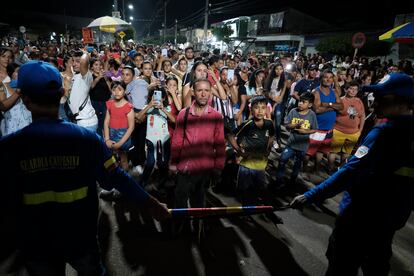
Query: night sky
pixel 340 12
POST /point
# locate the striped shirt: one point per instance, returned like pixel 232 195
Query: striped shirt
pixel 225 107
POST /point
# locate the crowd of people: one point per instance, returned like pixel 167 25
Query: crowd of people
pixel 189 114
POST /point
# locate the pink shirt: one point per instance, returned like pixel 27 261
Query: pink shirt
pixel 203 148
pixel 119 118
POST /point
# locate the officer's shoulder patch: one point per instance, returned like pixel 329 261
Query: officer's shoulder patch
pixel 361 151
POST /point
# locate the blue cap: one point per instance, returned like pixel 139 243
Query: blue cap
pixel 39 77
pixel 393 84
pixel 132 53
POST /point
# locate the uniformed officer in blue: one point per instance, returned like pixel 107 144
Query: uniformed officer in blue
pixel 53 167
pixel 377 183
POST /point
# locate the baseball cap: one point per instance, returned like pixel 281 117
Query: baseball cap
pixel 313 67
pixel 393 84
pixel 36 77
pixel 132 53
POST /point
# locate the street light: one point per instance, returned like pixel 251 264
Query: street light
pixel 130 6
pixel 131 18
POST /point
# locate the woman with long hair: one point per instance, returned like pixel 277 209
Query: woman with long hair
pixel 275 84
pixel 200 71
pixel 16 115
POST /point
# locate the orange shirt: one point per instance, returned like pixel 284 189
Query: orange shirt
pixel 349 119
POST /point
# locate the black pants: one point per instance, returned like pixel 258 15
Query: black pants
pixel 137 154
pixel 193 188
pixel 352 247
pixel 86 264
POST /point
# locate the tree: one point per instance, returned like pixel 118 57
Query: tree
pixel 222 33
pixel 336 45
pixel 373 48
pixel 342 45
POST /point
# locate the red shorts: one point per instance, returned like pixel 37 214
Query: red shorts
pixel 320 141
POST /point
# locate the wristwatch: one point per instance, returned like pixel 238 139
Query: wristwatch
pixel 330 104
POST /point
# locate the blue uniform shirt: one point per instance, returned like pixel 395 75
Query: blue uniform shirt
pixel 378 179
pixel 52 168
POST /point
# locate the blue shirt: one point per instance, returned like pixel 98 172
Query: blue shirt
pixel 305 85
pixel 52 167
pixel 326 120
pixel 378 179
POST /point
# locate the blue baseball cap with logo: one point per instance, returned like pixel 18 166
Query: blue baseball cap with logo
pixel 393 84
pixel 39 77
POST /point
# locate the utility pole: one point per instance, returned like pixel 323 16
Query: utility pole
pixel 123 8
pixel 175 33
pixel 165 19
pixel 205 25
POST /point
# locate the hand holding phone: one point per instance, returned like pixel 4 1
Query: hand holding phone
pixel 230 74
pixel 157 97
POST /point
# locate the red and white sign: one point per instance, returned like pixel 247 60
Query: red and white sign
pixel 87 35
pixel 358 40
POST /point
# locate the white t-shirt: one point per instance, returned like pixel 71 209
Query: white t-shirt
pixel 78 93
pixel 157 125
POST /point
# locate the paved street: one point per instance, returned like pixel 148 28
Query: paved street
pixel 233 246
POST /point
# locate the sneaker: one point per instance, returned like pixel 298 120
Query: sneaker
pixel 136 171
pixel 112 195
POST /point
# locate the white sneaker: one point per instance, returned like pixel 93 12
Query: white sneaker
pixel 137 170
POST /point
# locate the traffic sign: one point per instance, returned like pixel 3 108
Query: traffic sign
pixel 122 34
pixel 358 40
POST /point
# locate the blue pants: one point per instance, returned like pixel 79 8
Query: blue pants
pixel 284 158
pixel 62 113
pixel 278 115
pixel 159 154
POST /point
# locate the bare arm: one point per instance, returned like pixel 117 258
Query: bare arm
pixel 140 116
pixel 84 64
pixel 176 101
pixel 169 115
pixel 337 105
pixel 7 103
pixel 131 126
pixel 108 141
pixel 233 91
pixel 219 92
pixel 232 139
pixel 96 80
pixel 187 93
pixel 318 106
pixel 177 72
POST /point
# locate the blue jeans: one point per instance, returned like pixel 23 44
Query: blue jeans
pixel 116 134
pixel 284 158
pixel 100 111
pixel 157 153
pixel 62 113
pixel 92 128
pixel 278 115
